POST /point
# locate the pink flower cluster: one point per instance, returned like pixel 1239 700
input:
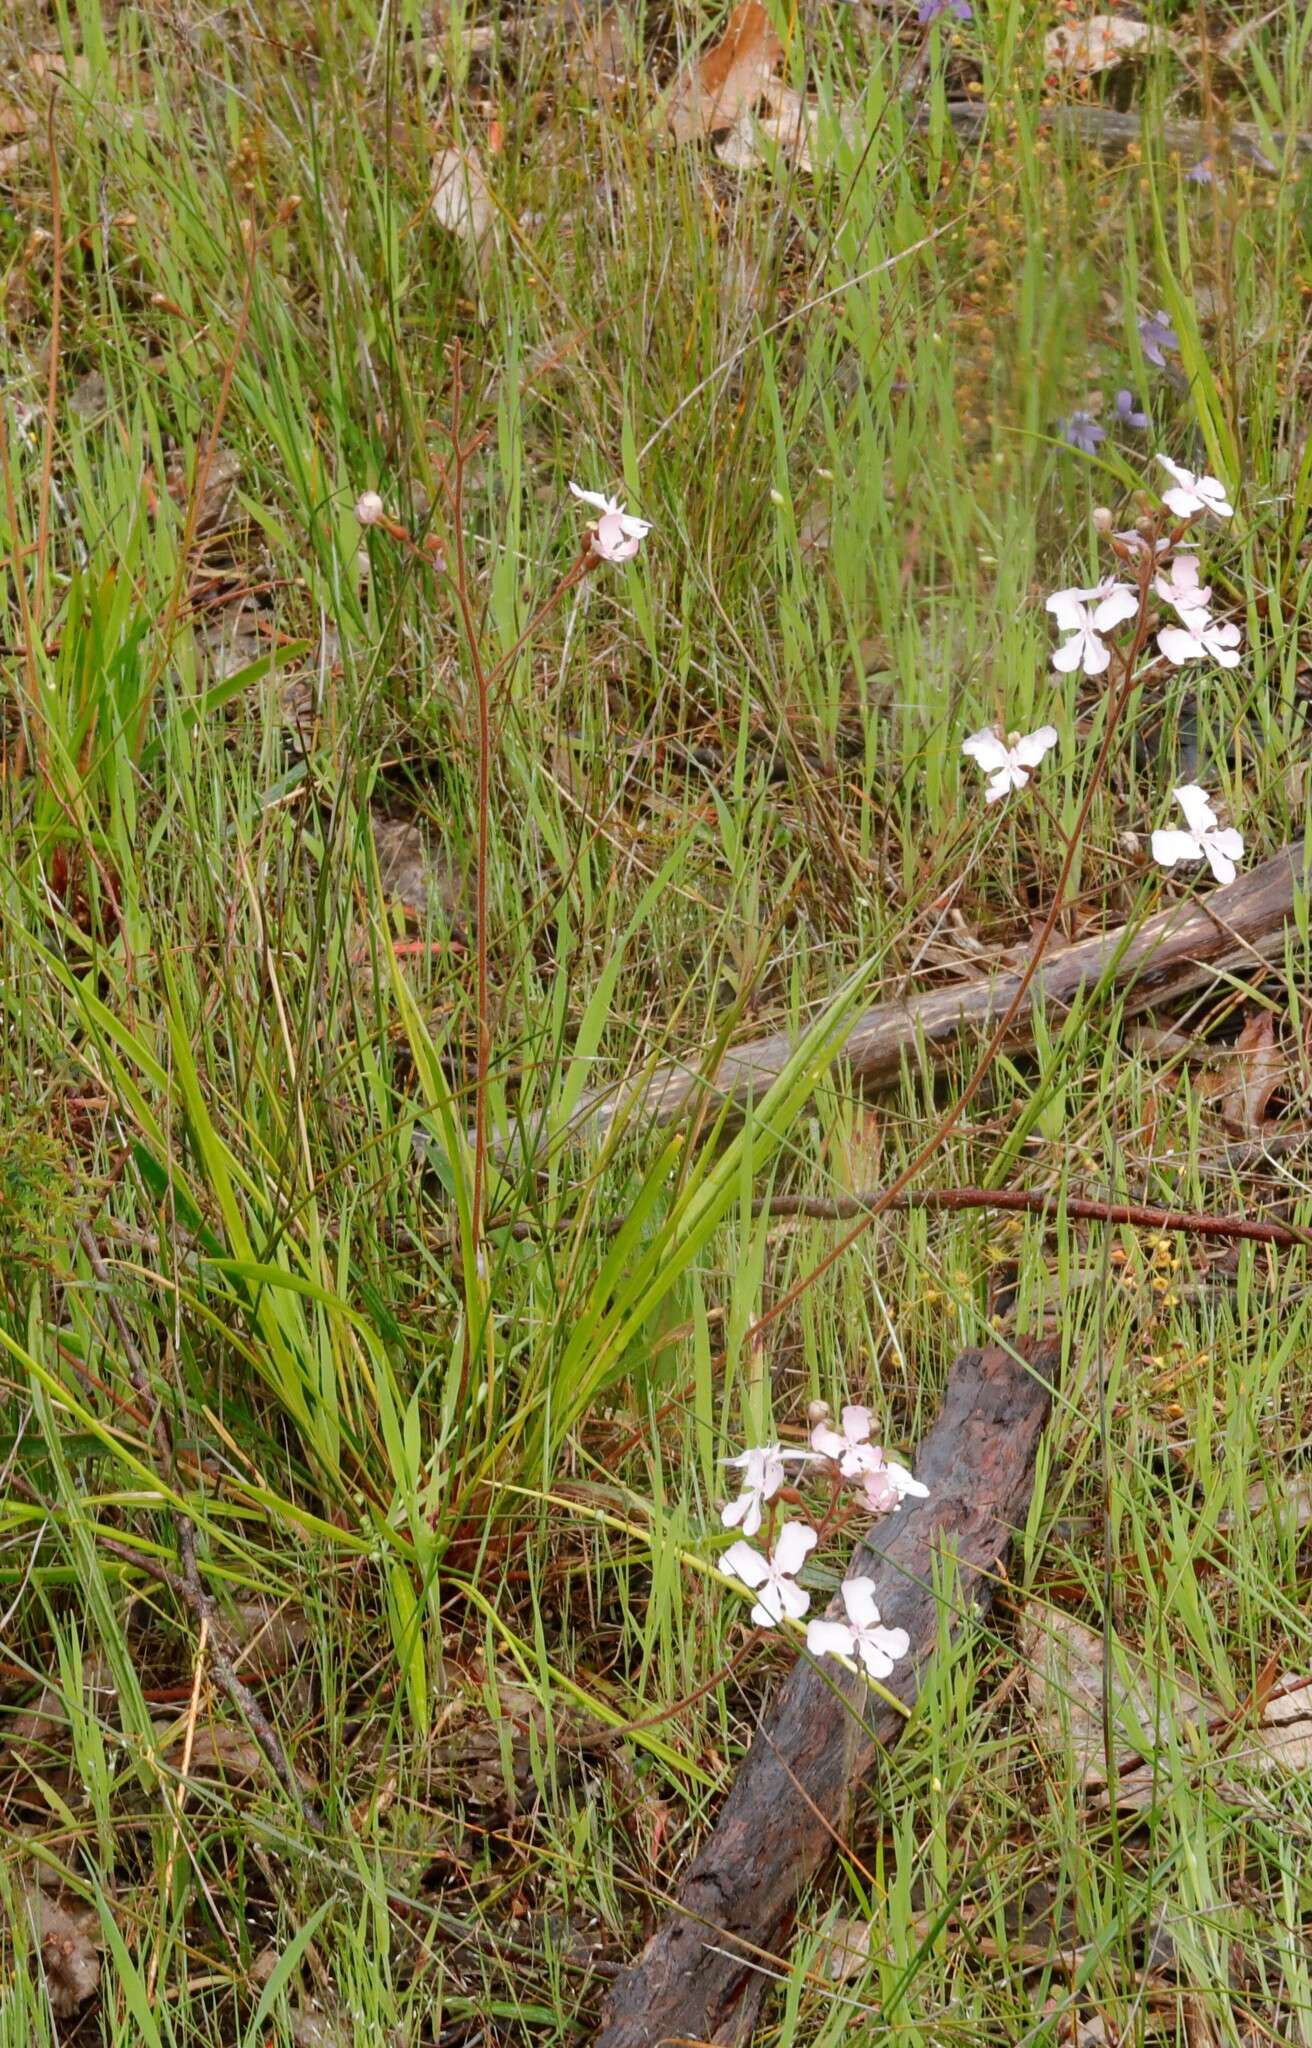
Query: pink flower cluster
pixel 849 1457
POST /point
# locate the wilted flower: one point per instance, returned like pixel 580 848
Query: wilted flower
pixel 1128 411
pixel 617 535
pixel 888 1485
pixel 1082 431
pixel 1195 493
pixel 1155 334
pixel 773 1578
pixel 930 10
pixel 370 509
pixel 763 1475
pixel 860 1636
pixel 1199 639
pixel 1180 587
pixel 1140 544
pixel 1203 841
pixel 1008 762
pixel 1086 615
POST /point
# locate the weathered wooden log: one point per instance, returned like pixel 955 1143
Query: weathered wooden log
pixel 1185 946
pixel 698 1978
pixel 1108 128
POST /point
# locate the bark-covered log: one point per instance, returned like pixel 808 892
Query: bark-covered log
pixel 696 1980
pixel 1181 949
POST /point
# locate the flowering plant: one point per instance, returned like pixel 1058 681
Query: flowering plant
pixel 858 1472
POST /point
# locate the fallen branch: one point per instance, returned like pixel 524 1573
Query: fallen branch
pixel 1038 1202
pixel 698 1979
pixel 1106 128
pixel 1183 948
pixel 1023 1201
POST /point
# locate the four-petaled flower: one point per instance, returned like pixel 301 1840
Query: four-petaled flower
pixel 888 1485
pixel 617 535
pixel 1082 431
pixel 1086 615
pixel 1156 333
pixel 1195 493
pixel 1008 763
pixel 1128 411
pixel 1180 587
pixel 763 1475
pixel 1220 848
pixel 930 10
pixel 849 1448
pixel 1200 639
pixel 878 1649
pixel 773 1579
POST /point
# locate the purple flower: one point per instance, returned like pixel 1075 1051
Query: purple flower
pixel 1157 333
pixel 930 10
pixel 1083 432
pixel 1201 174
pixel 1127 411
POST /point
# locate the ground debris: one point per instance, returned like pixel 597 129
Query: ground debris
pixel 67 1933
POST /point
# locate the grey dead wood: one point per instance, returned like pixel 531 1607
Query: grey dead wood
pixel 1109 129
pixel 700 1976
pixel 1191 943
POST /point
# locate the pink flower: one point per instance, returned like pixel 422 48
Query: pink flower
pixel 1086 615
pixel 886 1485
pixel 617 535
pixel 1008 763
pixel 1220 848
pixel 1198 639
pixel 878 1649
pixel 773 1578
pixel 1195 493
pixel 1180 587
pixel 849 1448
pixel 763 1475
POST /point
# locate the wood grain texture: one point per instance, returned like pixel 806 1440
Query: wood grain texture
pixel 696 1980
pixel 1181 949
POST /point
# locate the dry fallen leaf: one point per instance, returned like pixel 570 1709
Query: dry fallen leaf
pixel 1083 47
pixel 845 1951
pixel 1284 1735
pixel 67 1933
pixel 412 871
pixel 262 1636
pixel 726 81
pixel 1251 1072
pixel 462 202
pixel 218 489
pixel 1066 1698
pixel 596 52
pixel 214 1748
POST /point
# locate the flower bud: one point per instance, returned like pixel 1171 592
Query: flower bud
pixel 370 509
pixel 817 1412
pixel 1102 519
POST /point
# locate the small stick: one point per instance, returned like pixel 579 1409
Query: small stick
pixel 184 1771
pixel 1022 1201
pixel 1037 1202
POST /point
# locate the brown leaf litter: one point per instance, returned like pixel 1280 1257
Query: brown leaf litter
pixel 1070 1691
pixel 731 91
